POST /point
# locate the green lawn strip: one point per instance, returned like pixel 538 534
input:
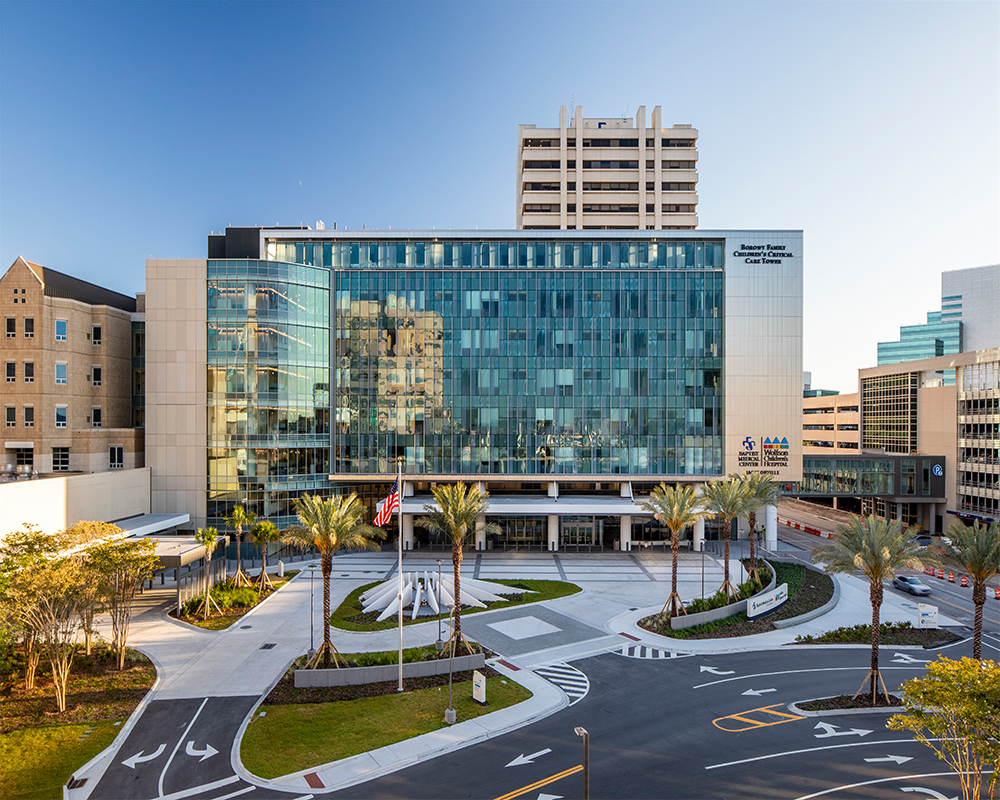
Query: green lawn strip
pixel 36 762
pixel 290 738
pixel 220 622
pixel 350 616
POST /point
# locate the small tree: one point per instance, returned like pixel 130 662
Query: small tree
pixel 955 710
pixel 763 491
pixel 977 549
pixel 123 565
pixel 209 539
pixel 728 499
pixel 878 550
pixel 262 534
pixel 85 534
pixel 677 507
pixel 329 525
pixel 454 517
pixel 238 520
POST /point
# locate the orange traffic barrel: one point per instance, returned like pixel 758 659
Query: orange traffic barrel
pixel 951 577
pixel 997 590
pixel 965 581
pixel 941 573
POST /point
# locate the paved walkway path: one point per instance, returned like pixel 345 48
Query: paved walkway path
pixel 247 659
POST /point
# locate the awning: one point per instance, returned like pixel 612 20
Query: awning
pixel 152 523
pixel 505 505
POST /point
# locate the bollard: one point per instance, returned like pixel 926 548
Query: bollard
pixel 951 577
pixel 281 569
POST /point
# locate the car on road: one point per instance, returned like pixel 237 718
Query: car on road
pixel 911 584
pixel 922 539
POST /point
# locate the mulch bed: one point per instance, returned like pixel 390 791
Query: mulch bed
pixel 285 692
pixel 845 701
pixel 96 691
pixel 815 592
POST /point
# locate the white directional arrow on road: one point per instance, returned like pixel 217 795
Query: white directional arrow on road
pixel 930 792
pixel 757 692
pixel 138 758
pixel 897 759
pixel 523 759
pixel 903 658
pixel 831 730
pixel 208 752
pixel 550 797
pixel 717 671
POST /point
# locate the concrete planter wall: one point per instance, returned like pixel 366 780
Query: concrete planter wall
pixel 690 620
pixel 353 676
pixel 816 612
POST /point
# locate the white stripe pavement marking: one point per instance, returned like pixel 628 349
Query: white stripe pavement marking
pixel 880 780
pixel 234 794
pixel 795 672
pixel 183 735
pixel 205 787
pixel 812 750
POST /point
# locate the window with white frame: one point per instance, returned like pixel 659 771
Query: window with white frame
pixel 11 416
pixel 29 416
pixel 10 371
pixel 116 457
pixel 29 371
pixel 62 372
pixel 95 417
pixel 11 327
pixel 60 330
pixel 60 459
pixel 95 376
pixel 62 414
pixel 29 327
pixel 96 335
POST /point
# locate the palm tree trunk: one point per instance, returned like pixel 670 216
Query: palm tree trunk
pixel 752 520
pixel 674 601
pixel 327 562
pixel 727 587
pixel 876 598
pixel 239 560
pixel 979 600
pixel 208 573
pixel 456 561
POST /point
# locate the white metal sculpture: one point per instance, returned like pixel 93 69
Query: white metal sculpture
pixel 424 591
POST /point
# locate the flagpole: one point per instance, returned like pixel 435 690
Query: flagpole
pixel 399 509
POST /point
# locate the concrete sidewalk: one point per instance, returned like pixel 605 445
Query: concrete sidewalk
pixel 617 590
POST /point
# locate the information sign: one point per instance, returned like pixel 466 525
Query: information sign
pixel 927 616
pixel 479 687
pixel 762 603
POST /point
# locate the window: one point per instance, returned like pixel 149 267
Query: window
pixel 96 376
pixel 29 371
pixel 95 417
pixel 29 416
pixel 29 327
pixel 116 457
pixel 11 415
pixel 10 371
pixel 96 338
pixel 11 327
pixel 60 459
pixel 60 330
pixel 61 371
pixel 61 414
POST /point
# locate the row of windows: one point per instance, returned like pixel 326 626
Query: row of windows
pixel 610 186
pixel 62 412
pixel 60 330
pixel 60 458
pixel 606 208
pixel 23 299
pixel 61 373
pixel 611 142
pixel 610 164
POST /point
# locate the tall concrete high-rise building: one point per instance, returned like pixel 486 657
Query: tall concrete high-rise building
pixel 607 173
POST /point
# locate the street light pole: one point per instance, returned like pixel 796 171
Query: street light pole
pixel 312 595
pixel 586 761
pixel 439 645
pixel 449 712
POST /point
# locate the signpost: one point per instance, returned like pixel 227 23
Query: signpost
pixel 479 687
pixel 762 604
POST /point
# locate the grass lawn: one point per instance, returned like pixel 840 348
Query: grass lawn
pixel 350 616
pixel 290 738
pixel 219 622
pixel 36 762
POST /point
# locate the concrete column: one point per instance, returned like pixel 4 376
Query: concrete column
pixel 625 490
pixel 835 508
pixel 771 527
pixel 407 531
pixel 553 533
pixel 407 488
pixel 553 489
pixel 626 544
pixel 699 535
pixel 932 519
pixel 899 509
pixel 481 532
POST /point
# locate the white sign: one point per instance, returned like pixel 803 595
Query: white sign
pixel 927 616
pixel 479 687
pixel 761 604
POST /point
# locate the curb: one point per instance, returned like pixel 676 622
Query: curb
pixel 809 616
pixel 793 707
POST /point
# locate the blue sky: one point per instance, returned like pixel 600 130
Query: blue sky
pixel 134 129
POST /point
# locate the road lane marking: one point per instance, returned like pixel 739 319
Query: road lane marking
pixel 543 782
pixel 880 780
pixel 783 716
pixel 235 794
pixel 205 787
pixel 810 750
pixel 895 759
pixel 139 758
pixel 177 746
pixel 757 692
pixel 793 672
pixel 831 730
pixel 523 759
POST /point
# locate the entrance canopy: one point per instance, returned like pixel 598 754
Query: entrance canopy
pixel 502 505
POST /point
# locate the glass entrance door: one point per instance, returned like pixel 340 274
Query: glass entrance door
pixel 577 533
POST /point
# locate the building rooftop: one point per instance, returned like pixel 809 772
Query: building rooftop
pixel 58 284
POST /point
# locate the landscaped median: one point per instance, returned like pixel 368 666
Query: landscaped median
pixel 233 601
pixel 298 728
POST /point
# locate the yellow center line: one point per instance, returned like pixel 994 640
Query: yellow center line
pixel 544 782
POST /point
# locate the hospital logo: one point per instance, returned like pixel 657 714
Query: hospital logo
pixel 775 444
pixel 748 444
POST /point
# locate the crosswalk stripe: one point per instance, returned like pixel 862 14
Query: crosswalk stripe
pixel 572 681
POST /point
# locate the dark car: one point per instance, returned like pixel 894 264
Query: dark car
pixel 922 539
pixel 911 584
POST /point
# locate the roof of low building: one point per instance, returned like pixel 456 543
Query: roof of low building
pixel 58 284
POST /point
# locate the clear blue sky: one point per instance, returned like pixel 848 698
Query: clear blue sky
pixel 134 129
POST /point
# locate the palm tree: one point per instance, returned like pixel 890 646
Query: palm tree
pixel 458 507
pixel 262 534
pixel 764 491
pixel 727 498
pixel 677 507
pixel 239 519
pixel 878 549
pixel 209 539
pixel 329 525
pixel 977 549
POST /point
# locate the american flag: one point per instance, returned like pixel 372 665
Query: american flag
pixel 390 504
